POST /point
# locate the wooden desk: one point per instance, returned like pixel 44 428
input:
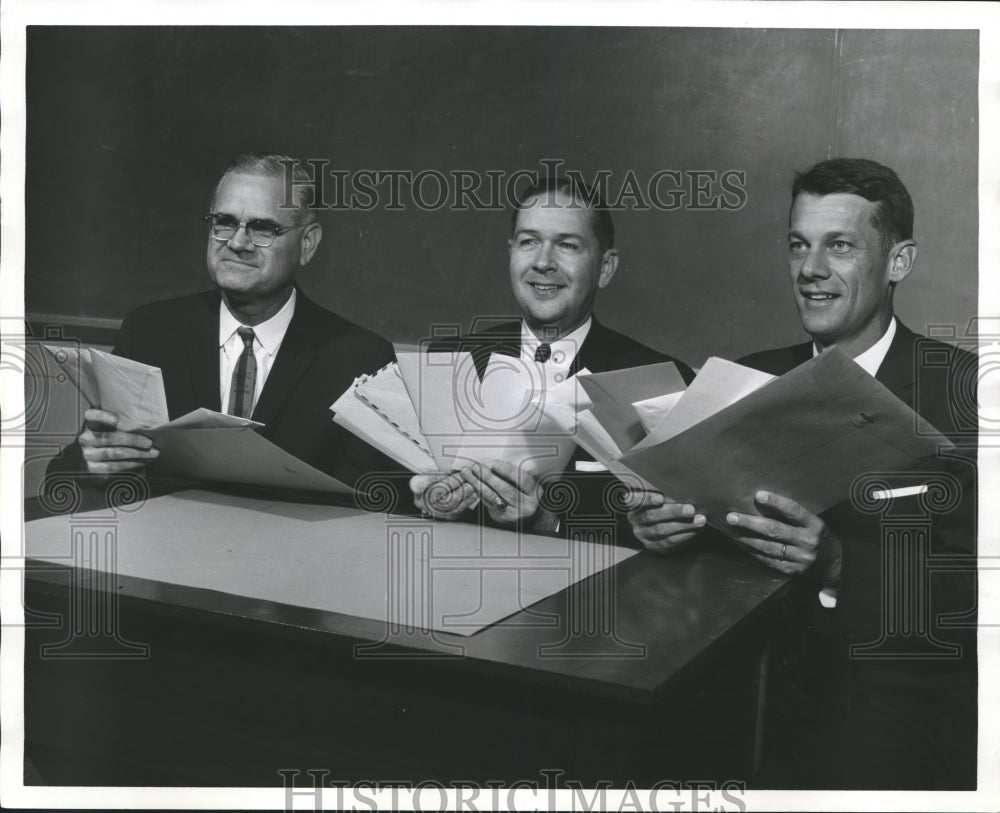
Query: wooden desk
pixel 200 687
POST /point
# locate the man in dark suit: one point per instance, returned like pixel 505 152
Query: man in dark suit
pixel 254 346
pixel 879 688
pixel 561 254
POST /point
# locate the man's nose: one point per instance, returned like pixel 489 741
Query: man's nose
pixel 544 258
pixel 240 241
pixel 812 266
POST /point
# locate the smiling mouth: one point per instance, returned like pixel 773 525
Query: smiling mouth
pixel 546 288
pixel 818 296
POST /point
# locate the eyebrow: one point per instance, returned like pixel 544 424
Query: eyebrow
pixel 264 220
pixel 560 236
pixel 830 235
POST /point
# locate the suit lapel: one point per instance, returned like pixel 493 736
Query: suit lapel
pixel 201 354
pixel 295 356
pixel 593 353
pixel 896 370
pixel 505 340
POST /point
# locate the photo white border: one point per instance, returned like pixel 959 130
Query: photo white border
pixel 16 14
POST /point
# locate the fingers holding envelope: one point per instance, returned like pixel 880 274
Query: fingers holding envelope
pixel 510 495
pixel 788 538
pixel 661 524
pixel 107 450
pixel 443 497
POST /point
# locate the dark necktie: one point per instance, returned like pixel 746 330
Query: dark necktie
pixel 244 378
pixel 542 353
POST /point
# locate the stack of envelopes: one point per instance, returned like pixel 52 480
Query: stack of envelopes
pixel 435 412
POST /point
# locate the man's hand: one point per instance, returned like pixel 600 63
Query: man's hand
pixel 789 539
pixel 660 524
pixel 443 497
pixel 510 495
pixel 106 450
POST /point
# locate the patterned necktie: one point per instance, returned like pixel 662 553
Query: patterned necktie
pixel 244 377
pixel 542 353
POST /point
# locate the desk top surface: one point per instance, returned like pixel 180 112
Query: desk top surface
pixel 625 633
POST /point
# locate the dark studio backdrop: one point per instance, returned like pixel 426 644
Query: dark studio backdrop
pixel 127 129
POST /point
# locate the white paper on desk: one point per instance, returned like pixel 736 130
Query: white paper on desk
pixel 378 409
pixel 132 390
pixel 458 578
pixel 236 454
pixel 719 384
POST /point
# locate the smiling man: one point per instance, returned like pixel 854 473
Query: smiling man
pixel 562 253
pixel 255 345
pixel 883 690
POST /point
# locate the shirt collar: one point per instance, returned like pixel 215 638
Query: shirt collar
pixel 268 333
pixel 872 358
pixel 564 350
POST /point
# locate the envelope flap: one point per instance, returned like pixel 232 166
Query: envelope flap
pixel 614 392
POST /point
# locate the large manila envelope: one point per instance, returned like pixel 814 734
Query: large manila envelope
pixel 235 454
pixel 614 392
pixel 806 435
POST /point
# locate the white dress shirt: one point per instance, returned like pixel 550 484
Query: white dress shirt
pixel 872 358
pixel 564 350
pixel 267 340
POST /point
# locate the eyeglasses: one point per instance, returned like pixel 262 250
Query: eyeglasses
pixel 259 232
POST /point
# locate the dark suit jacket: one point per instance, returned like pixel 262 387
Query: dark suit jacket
pixel 933 694
pixel 602 350
pixel 319 358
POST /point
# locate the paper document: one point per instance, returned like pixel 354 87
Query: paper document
pixel 378 409
pixel 614 392
pixel 806 435
pixel 507 414
pixel 718 384
pixel 235 455
pixel 653 410
pixel 131 390
pixel 201 445
pixel 445 576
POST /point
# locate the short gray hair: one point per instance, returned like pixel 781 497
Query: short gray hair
pixel 275 165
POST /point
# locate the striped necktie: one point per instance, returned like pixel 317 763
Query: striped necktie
pixel 244 377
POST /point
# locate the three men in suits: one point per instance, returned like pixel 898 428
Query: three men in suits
pixel 254 346
pixel 882 688
pixel 561 254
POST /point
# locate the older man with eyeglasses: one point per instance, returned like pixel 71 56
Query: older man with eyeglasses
pixel 255 346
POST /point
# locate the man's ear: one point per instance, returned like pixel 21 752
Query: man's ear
pixel 311 235
pixel 609 264
pixel 902 258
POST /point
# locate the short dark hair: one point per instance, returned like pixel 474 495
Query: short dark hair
pixel 893 215
pixel 588 196
pixel 273 165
